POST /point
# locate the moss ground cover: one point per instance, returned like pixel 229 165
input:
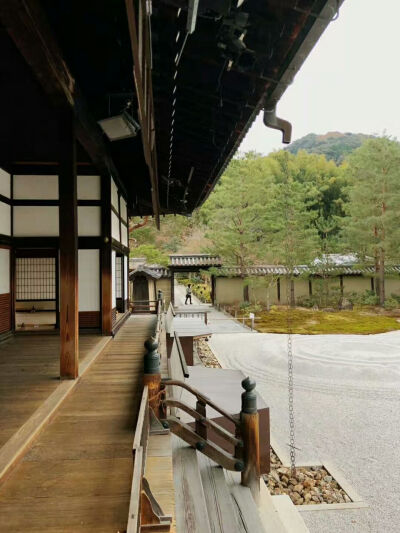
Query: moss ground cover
pixel 311 322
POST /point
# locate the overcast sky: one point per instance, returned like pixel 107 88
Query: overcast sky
pixel 350 81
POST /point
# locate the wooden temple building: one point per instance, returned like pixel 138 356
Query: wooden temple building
pixel 111 109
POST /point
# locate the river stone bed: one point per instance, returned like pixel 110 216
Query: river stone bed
pixel 310 485
pixel 205 354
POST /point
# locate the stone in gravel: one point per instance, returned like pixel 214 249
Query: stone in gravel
pixel 328 479
pixel 275 476
pixel 298 488
pixel 282 470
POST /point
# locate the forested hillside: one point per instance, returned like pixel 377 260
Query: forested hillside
pixel 333 145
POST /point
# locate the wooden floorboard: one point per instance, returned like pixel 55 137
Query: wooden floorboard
pixel 77 475
pixel 29 373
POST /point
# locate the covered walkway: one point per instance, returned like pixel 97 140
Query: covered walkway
pixel 77 475
pixel 29 373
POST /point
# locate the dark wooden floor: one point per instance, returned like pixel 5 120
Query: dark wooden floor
pixel 29 371
pixel 77 475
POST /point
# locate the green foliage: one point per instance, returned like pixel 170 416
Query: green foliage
pixel 172 235
pixel 234 210
pixel 334 146
pixel 372 225
pixel 152 254
pixel 202 291
pixel 391 303
pixel 373 221
pixel 368 298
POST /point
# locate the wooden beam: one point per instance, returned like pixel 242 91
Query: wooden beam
pixel 106 276
pixel 69 323
pixel 26 24
pixel 140 44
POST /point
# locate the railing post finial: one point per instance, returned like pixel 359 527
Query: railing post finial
pixel 251 438
pixel 249 396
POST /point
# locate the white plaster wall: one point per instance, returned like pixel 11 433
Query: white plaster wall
pixel 4 271
pixel 115 227
pixel 36 221
pixel 5 219
pixel 124 234
pixel 35 187
pixel 89 188
pixel 124 211
pixel 89 221
pixel 126 274
pixel 113 299
pixel 89 280
pixel 228 290
pixel 114 195
pixel 5 183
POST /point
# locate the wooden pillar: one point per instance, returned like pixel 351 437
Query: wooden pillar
pixel 251 438
pixel 69 322
pixel 213 287
pixel 106 275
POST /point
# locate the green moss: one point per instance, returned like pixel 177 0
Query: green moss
pixel 305 321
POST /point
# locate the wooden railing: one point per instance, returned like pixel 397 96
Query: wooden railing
pixel 193 314
pixel 245 440
pixel 145 514
pixel 144 306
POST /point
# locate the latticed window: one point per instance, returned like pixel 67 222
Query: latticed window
pixel 35 278
pixel 118 277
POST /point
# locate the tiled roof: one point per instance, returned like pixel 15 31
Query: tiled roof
pixel 153 271
pixel 196 260
pixel 263 270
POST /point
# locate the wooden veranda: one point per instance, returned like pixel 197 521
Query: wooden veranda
pixel 77 475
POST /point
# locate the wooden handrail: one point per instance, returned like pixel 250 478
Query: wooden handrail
pixel 182 358
pixel 213 451
pixel 142 426
pixel 172 402
pixel 171 308
pixel 133 525
pixel 200 396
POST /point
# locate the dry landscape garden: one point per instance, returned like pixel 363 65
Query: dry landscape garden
pixel 327 204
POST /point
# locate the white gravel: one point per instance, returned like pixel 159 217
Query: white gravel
pixel 347 392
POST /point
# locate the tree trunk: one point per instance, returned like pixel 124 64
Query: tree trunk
pixel 292 299
pixel 381 277
pixel 376 285
pixel 246 293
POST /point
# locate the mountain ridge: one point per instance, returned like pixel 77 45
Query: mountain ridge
pixel 334 145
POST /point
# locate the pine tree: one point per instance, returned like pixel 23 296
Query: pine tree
pixel 372 228
pixel 235 211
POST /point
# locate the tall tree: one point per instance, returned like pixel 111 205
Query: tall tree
pixel 234 212
pixel 372 228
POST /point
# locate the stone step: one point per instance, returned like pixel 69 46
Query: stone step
pixel 190 502
pixel 246 510
pixel 289 515
pixel 220 505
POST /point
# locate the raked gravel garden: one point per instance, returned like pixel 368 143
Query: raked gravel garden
pixel 347 395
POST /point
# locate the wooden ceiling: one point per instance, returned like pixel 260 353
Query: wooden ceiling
pixel 236 60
